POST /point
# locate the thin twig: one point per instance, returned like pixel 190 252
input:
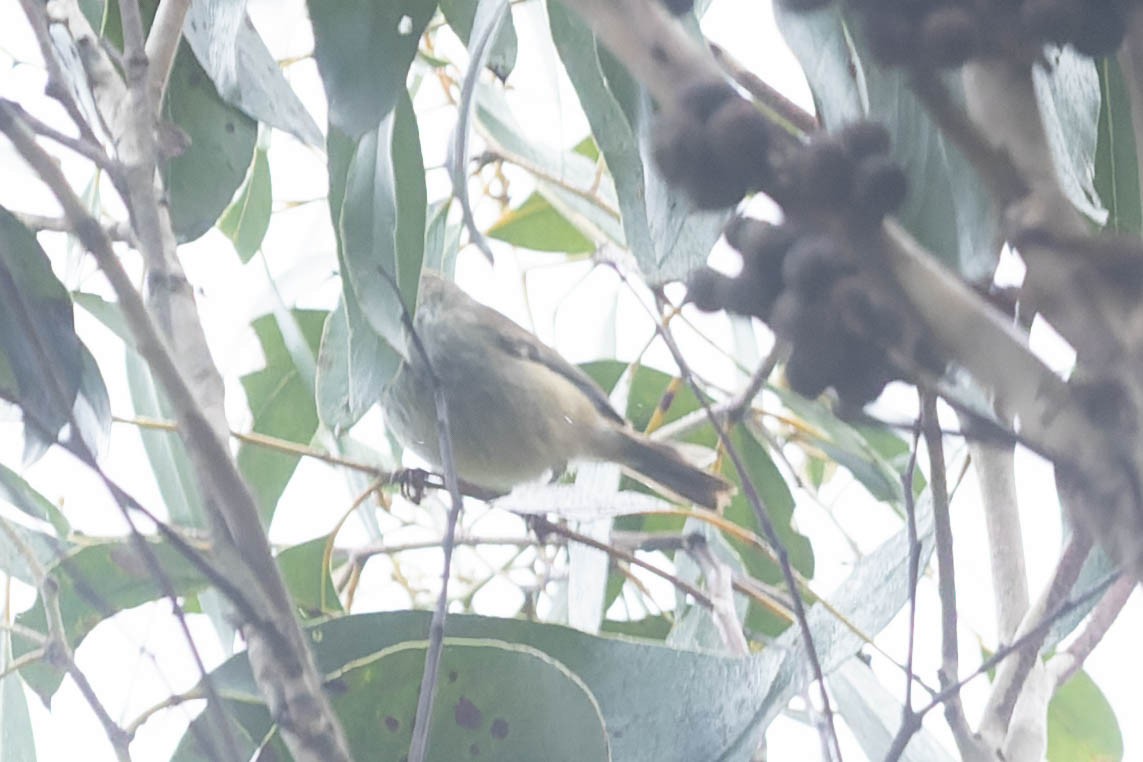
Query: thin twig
pixel 1034 633
pixel 311 735
pixel 57 650
pixel 762 516
pixel 1064 665
pixel 946 577
pixel 914 564
pixel 543 526
pixel 58 85
pixel 419 745
pixel 84 147
pixel 1011 678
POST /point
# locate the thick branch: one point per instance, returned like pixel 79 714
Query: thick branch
pixel 277 648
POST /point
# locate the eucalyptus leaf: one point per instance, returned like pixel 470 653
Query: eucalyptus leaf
pixel 282 404
pixel 382 222
pixel 487 21
pixel 242 69
pixel 41 358
pixel 354 365
pixel 460 15
pixel 202 179
pixel 1116 161
pixel 667 235
pixel 246 220
pixel 363 51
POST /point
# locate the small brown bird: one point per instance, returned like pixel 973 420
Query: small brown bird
pixel 516 408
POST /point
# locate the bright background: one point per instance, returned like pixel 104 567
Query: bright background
pixel 137 658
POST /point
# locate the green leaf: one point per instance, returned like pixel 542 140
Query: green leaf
pixel 42 356
pixel 92 410
pixel 44 548
pixel 947 209
pixel 637 684
pixel 487 21
pixel 663 230
pixel 354 365
pixel 246 220
pixel 383 221
pixel 779 505
pixel 283 407
pixel 1116 163
pixel 858 452
pixel 246 75
pixel 1082 724
pixel 307 578
pixel 477 714
pixel 16 491
pixel 535 224
pixel 96 582
pixel 1069 98
pixel 502 58
pixel 202 180
pixel 363 51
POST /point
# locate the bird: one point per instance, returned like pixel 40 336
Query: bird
pixel 517 410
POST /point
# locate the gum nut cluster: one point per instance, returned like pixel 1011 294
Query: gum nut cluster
pixel 713 144
pixel 947 33
pixel 807 283
pixel 850 174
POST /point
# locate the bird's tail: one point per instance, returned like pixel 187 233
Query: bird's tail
pixel 664 467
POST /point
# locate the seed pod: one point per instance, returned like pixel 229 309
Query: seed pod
pixel 814 365
pixel 893 38
pixel 949 36
pixel 862 312
pixel 1052 20
pixel 813 263
pixel 708 289
pixel 739 137
pixel 864 139
pixel 1101 31
pixel 756 238
pixel 879 187
pixel 819 176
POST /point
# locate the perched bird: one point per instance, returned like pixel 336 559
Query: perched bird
pixel 516 408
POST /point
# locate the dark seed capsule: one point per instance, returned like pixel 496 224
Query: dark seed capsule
pixel 879 187
pixel 701 99
pixel 820 176
pixel 813 263
pixel 1052 20
pixel 755 237
pixel 893 38
pixel 864 377
pixel 708 289
pixel 813 366
pixel 862 312
pixel 678 144
pixel 739 137
pixel 949 36
pixel 790 316
pixel 864 139
pixel 1102 30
